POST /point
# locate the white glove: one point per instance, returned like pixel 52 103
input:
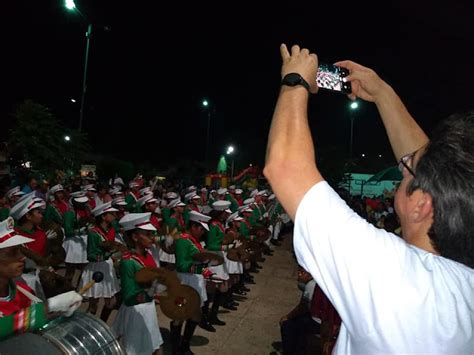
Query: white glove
pixel 265 215
pixel 169 241
pixel 153 289
pixel 238 244
pixel 230 246
pixel 65 303
pixel 83 230
pixel 50 234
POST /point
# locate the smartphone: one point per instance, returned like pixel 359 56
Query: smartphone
pixel 330 77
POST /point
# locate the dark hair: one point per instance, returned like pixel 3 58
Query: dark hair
pixel 446 172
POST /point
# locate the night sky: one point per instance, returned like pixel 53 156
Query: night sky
pixel 149 73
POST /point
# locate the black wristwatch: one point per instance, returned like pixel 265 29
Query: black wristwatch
pixel 293 79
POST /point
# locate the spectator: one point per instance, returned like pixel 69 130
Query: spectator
pixel 31 185
pixel 414 295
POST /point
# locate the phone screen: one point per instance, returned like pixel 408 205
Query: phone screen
pixel 330 77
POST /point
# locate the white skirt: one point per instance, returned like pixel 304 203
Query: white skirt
pixel 108 287
pixel 220 271
pixel 197 282
pixel 167 258
pixel 138 328
pixel 233 267
pixel 76 249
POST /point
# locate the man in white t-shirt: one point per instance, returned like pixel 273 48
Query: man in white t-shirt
pixel 395 296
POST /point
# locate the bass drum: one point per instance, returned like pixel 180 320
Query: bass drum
pixel 80 334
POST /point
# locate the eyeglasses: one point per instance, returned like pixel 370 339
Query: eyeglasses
pixel 403 163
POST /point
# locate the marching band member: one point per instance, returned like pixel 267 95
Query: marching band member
pixel 137 320
pixel 20 309
pixel 100 259
pixel 11 197
pixel 133 195
pixel 56 208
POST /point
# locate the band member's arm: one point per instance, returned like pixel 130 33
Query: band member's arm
pixel 132 292
pixel 28 319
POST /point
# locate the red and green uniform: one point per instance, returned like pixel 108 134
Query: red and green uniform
pixel 95 238
pixel 255 218
pixel 215 237
pixel 131 200
pixel 234 205
pixel 55 211
pixel 166 213
pixel 71 221
pixel 244 229
pixel 186 247
pixel 18 314
pixel 132 292
pixel 176 221
pixel 39 237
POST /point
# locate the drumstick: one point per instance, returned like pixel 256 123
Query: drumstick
pixel 96 277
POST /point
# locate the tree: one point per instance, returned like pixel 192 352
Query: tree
pixel 38 138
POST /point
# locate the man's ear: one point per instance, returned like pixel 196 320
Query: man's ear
pixel 422 203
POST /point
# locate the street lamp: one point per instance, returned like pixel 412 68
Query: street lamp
pixel 230 150
pixel 67 138
pixel 353 106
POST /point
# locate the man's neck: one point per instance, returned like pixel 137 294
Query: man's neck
pixel 419 238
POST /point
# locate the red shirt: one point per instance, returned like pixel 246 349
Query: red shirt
pixel 61 206
pixel 92 203
pixel 18 302
pixel 39 236
pixel 156 223
pixel 106 235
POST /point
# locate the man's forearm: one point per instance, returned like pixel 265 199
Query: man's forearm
pixel 404 133
pixel 290 160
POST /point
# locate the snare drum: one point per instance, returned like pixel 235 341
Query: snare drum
pixel 80 334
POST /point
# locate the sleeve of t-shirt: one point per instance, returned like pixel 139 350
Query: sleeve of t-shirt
pixel 358 267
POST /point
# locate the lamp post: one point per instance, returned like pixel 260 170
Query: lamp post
pixel 353 106
pixel 205 105
pixel 70 5
pixel 230 151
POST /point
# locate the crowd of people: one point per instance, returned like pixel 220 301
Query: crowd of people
pixel 118 229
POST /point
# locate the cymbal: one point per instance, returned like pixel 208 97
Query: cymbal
pixel 238 254
pixel 207 256
pixel 228 239
pixel 181 303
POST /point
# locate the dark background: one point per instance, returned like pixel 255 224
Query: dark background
pixel 149 73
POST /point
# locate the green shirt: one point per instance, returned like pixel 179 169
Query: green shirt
pixel 166 213
pixel 173 223
pixel 131 202
pixel 94 241
pixel 185 249
pixel 132 292
pixel 244 230
pixel 51 213
pixel 234 205
pixel 215 236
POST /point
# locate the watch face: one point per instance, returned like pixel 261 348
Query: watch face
pixel 292 79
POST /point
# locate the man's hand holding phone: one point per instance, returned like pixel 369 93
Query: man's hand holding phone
pixel 300 61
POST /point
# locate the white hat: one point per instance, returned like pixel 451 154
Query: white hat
pixel 114 191
pixel 200 218
pixel 79 196
pixel 247 209
pixel 146 199
pixel 56 188
pixel 25 205
pixel 221 191
pixel 118 181
pixel 158 210
pixel 137 221
pixel 191 188
pixel 145 191
pixel 249 201
pixel 238 191
pixel 119 201
pixel 232 187
pixel 133 184
pixel 233 217
pixel 271 197
pixel 262 193
pixel 171 195
pixel 104 208
pixel 14 192
pixel 176 203
pixel 221 205
pixel 89 187
pixel 254 193
pixel 8 236
pixel 190 196
pixel 204 189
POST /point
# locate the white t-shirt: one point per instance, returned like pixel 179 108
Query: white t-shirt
pixel 393 298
